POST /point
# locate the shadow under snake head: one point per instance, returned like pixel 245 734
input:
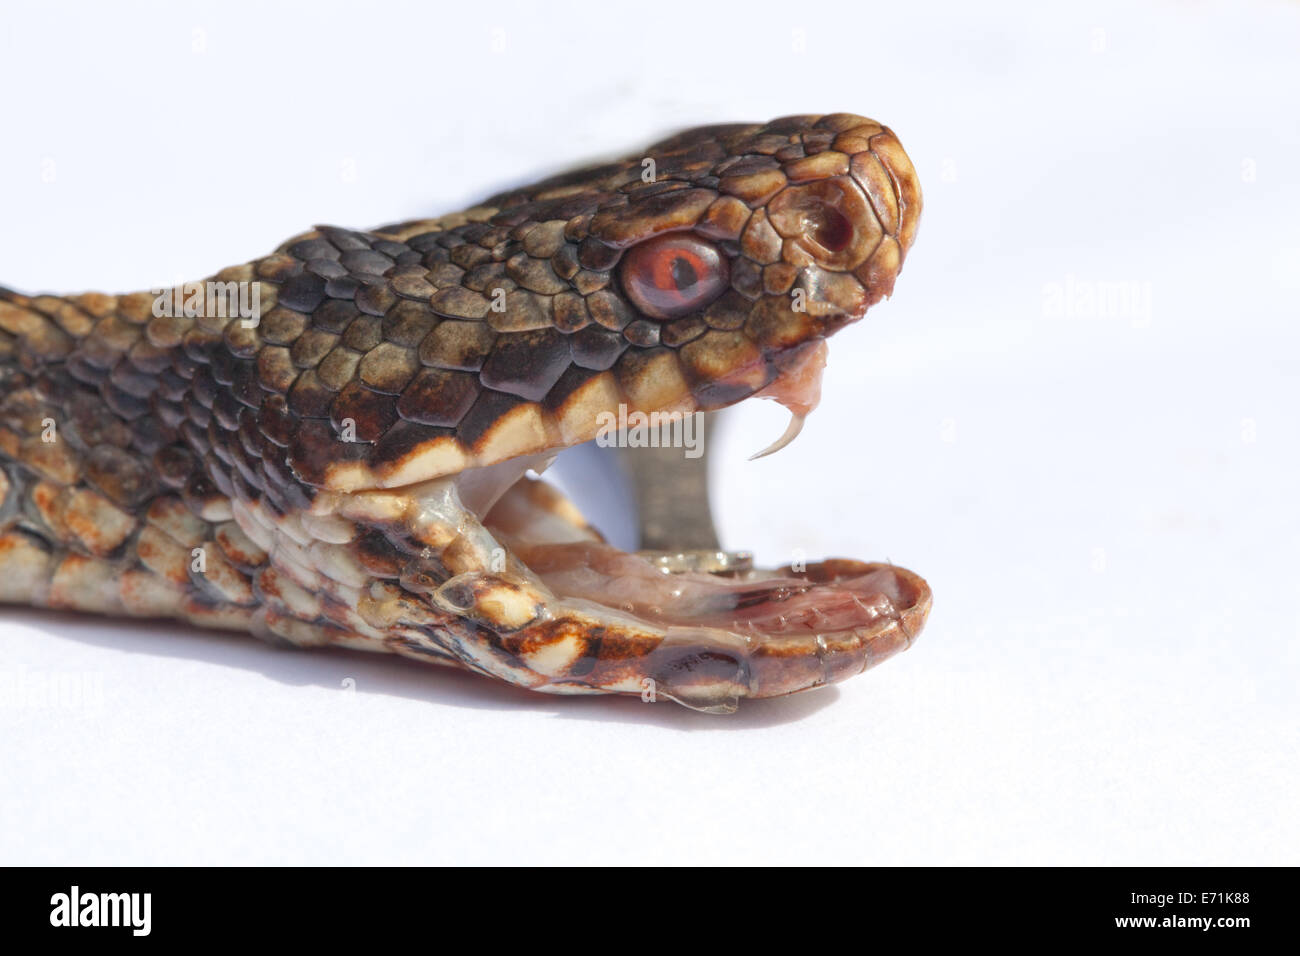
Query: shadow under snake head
pixel 355 456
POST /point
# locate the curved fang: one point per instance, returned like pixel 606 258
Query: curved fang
pixel 791 432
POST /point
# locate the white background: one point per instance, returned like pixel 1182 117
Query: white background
pixel 1104 504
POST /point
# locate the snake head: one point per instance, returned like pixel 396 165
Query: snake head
pixel 751 244
pixel 743 246
pixel 706 269
pixel 798 228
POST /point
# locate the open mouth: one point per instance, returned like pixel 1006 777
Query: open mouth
pixel 491 568
pixel 694 623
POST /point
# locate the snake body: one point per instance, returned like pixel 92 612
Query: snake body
pixel 346 467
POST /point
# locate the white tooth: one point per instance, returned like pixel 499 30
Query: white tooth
pixel 791 433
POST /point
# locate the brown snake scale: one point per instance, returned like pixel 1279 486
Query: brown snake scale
pixel 348 466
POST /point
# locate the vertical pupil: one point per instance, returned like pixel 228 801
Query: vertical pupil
pixel 683 273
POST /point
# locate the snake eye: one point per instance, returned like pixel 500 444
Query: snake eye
pixel 674 274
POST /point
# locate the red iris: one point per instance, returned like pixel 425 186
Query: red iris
pixel 673 274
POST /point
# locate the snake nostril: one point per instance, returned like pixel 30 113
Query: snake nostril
pixel 831 229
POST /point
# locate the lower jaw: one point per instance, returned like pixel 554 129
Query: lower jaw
pixel 786 629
